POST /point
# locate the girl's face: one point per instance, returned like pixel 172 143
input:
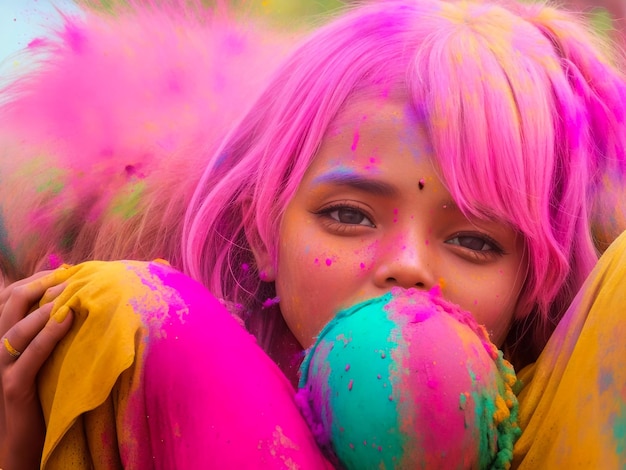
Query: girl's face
pixel 372 214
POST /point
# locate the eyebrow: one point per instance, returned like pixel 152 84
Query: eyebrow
pixel 358 182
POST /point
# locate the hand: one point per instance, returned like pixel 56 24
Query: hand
pixel 27 337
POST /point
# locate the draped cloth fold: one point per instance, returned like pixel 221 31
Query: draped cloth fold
pixel 155 373
pixel 572 408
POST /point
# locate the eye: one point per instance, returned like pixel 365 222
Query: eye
pixel 472 243
pixel 347 215
pixel 478 243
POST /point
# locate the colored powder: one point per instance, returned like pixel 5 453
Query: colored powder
pixel 271 301
pixel 424 388
pixel 462 401
pixel 605 380
pixel 54 261
pixel 53 183
pixel 126 203
pixel 5 250
pixel 355 141
pixel 619 431
pixel 353 391
pixel 46 180
pixel 192 344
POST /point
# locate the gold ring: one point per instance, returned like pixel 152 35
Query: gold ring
pixel 10 349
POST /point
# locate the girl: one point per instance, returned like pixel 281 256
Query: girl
pixel 474 146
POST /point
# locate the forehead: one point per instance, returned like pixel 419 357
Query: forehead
pixel 359 112
pixel 374 127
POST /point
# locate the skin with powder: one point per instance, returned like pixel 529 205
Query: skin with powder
pixel 359 225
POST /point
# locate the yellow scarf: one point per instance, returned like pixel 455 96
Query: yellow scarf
pixel 572 409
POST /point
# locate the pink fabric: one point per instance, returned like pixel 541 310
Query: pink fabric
pixel 210 397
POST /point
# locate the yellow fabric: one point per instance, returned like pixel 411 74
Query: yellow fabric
pixel 115 389
pixel 104 344
pixel 573 405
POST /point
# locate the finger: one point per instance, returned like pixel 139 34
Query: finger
pixel 20 335
pixel 38 282
pixel 6 291
pixel 52 293
pixel 42 345
pixel 22 298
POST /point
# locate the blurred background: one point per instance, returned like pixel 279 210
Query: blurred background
pixel 23 20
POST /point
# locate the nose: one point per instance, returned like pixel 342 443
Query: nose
pixel 405 263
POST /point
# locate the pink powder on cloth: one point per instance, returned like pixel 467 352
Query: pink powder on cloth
pixel 209 397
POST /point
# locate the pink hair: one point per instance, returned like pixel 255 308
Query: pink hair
pixel 525 116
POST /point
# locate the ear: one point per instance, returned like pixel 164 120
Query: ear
pixel 263 259
pixel 264 264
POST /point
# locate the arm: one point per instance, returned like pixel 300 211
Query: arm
pixel 33 336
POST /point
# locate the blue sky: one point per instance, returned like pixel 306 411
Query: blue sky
pixel 23 20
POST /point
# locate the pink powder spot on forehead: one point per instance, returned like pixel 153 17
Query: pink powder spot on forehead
pixel 373 165
pixel 362 265
pixel 329 261
pixel 355 141
pixel 316 261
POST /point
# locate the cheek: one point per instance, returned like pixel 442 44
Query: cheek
pixel 304 274
pixel 315 279
pixel 307 298
pixel 497 318
pixel 490 298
